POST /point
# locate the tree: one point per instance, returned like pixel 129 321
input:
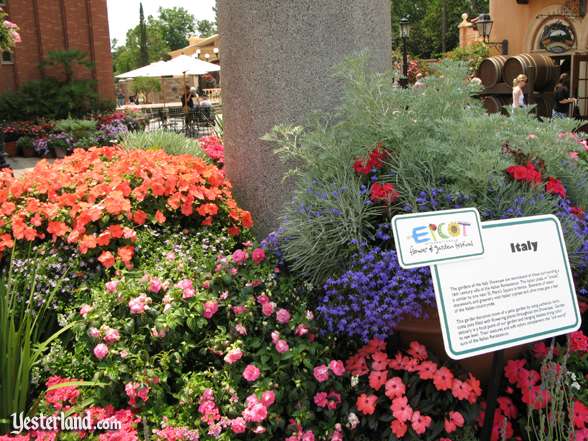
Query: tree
pixel 177 25
pixel 67 60
pixel 143 51
pixel 428 20
pixel 206 28
pixel 146 86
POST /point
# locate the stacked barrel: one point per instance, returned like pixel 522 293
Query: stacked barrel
pixel 497 74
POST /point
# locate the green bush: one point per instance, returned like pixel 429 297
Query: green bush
pixel 78 128
pixel 171 142
pixel 472 55
pixel 434 138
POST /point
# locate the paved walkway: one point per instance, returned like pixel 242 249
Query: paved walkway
pixel 22 165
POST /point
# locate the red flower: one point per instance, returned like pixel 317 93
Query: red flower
pixel 418 351
pixel 443 379
pixel 460 389
pixel 398 428
pixel 106 259
pixel 380 362
pixel 361 168
pixel 580 415
pixel 377 379
pixel 383 193
pixel 366 404
pixel 395 388
pixel 401 410
pixel 476 390
pixel 526 173
pixel 578 342
pixel 420 423
pixel 427 370
pixel 507 407
pixel 554 186
pixel 577 212
pixel 511 370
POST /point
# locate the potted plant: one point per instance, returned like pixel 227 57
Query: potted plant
pixel 25 147
pixel 59 144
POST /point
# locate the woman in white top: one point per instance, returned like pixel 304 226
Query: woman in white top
pixel 518 94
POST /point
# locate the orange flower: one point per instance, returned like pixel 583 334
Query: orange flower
pixel 139 217
pixel 160 217
pixel 106 259
pixel 126 253
pixel 57 229
pixel 377 379
pixel 366 404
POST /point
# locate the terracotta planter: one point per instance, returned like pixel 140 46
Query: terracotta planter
pixel 428 332
pixel 59 152
pixel 11 149
pixel 29 152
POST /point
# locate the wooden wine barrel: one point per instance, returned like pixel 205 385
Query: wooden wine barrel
pixel 490 70
pixel 495 103
pixel 546 71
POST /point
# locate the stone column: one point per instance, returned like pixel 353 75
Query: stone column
pixel 277 59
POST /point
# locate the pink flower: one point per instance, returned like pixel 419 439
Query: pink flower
pixel 258 255
pixel 111 336
pixel 283 316
pixel 321 373
pixel 241 330
pixel 531 136
pixel 170 256
pixel 320 399
pixel 255 412
pixel 282 346
pixel 184 284
pixel 240 257
pixel 239 309
pixel 251 372
pixel 233 356
pixel 307 436
pixel 267 309
pixel 337 367
pixel 573 155
pixel 301 330
pixel 100 351
pixel 155 285
pixel 259 429
pixel 268 398
pixel 275 336
pixel 263 299
pixel 188 293
pixel 84 310
pixel 238 425
pixel 112 285
pixel 94 333
pixel 138 305
pixel 210 309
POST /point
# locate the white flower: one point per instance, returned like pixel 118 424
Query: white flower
pixel 354 381
pixel 352 421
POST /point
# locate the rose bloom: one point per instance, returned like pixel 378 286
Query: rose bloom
pixel 112 285
pixel 233 356
pixel 283 316
pixel 84 310
pixel 251 372
pixel 238 425
pixel 258 255
pixel 256 412
pixel 240 257
pixel 268 398
pixel 155 285
pixel 282 346
pixel 301 330
pixel 111 336
pixel 267 309
pixel 241 330
pixel 275 336
pixel 337 367
pixel 100 351
pixel 210 309
pixel 263 299
pixel 94 333
pixel 321 373
pixel 188 293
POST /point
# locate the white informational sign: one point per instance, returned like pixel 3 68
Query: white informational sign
pixel 423 239
pixel 520 291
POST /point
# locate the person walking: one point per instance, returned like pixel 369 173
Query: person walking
pixel 518 92
pixel 561 94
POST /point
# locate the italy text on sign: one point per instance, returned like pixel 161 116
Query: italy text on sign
pixel 520 291
pixel 423 239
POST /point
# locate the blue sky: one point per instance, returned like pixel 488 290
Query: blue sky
pixel 124 14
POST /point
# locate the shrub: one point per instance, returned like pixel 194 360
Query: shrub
pixel 473 55
pixel 392 151
pixel 170 142
pixel 95 199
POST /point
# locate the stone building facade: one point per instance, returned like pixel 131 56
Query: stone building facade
pixel 50 25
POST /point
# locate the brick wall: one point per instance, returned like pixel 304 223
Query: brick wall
pixel 48 25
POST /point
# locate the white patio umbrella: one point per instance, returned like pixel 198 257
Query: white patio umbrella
pixel 185 65
pixel 151 70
